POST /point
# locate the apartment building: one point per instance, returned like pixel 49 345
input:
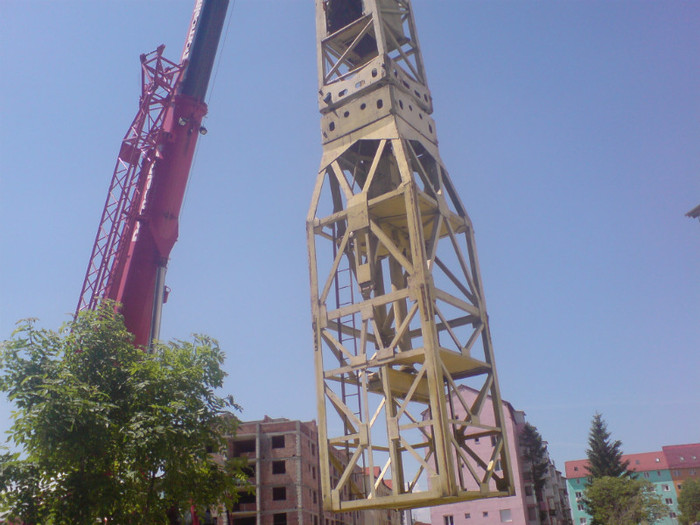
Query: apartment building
pixel 522 508
pixel 683 462
pixel 665 469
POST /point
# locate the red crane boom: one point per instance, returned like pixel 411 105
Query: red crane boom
pixel 139 223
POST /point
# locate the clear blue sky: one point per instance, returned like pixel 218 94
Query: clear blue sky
pixel 570 128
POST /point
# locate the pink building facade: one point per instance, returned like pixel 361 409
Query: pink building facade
pixel 522 508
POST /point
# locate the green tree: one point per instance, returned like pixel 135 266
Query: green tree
pixel 689 502
pixel 105 430
pixel 534 451
pixel 623 501
pixel 604 455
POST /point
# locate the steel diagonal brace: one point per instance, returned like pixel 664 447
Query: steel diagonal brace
pixel 347 51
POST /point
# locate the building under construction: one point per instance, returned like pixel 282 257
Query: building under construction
pixel 285 478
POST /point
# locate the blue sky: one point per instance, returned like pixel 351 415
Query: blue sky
pixel 570 128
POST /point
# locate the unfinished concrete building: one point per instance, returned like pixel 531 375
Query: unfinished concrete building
pixel 284 474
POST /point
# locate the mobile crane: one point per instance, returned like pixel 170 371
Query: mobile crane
pixel 139 223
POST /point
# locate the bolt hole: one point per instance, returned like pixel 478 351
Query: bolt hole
pixel 363 106
pixel 380 104
pixel 401 104
pixel 331 126
pixel 346 114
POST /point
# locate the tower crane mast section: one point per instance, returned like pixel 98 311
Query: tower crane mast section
pixel 406 379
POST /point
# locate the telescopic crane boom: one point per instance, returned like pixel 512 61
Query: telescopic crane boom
pixel 139 224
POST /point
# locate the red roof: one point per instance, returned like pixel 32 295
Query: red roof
pixel 576 468
pixel 683 456
pixel 671 457
pixel 647 461
pixel 643 462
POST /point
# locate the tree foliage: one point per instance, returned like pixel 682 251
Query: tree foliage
pixel 105 430
pixel 689 502
pixel 534 451
pixel 604 455
pixel 623 501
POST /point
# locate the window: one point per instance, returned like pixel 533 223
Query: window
pixel 506 516
pixel 476 440
pixel 646 475
pixel 245 498
pixel 243 447
pixel 582 521
pixel 581 507
pixel 672 514
pixel 665 488
pixel 668 501
pixel 692 472
pixel 448 519
pixel 313 449
pixel 467 515
pixel 313 472
pixel 657 460
pixel 278 442
pixel 279 519
pixel 279 493
pixel 676 473
pixel 575 469
pixel 636 462
pixel 278 467
pixel 579 494
pixel 680 486
pixel 682 458
pixel 485 514
pixel 314 496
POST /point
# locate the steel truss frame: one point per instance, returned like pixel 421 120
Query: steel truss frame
pixel 130 181
pixel 399 317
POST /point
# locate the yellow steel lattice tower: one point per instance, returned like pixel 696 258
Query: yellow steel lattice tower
pixel 400 325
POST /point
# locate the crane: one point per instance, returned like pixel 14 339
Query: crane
pixel 405 370
pixel 139 223
pixel 406 380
